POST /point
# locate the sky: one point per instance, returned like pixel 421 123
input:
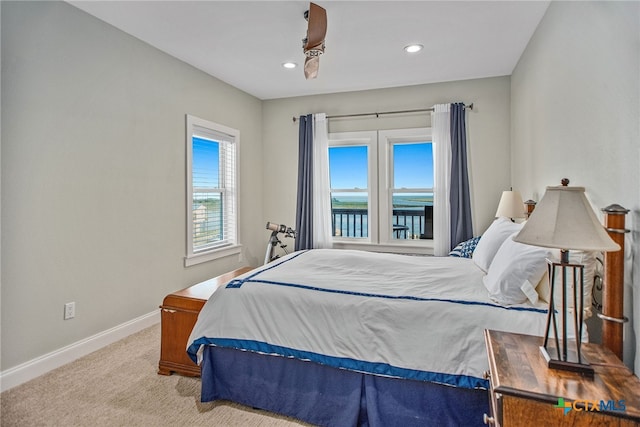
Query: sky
pixel 205 162
pixel 413 166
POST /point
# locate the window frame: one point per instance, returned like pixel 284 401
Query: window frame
pixel 228 188
pixel 359 139
pixel 380 176
pixel 386 140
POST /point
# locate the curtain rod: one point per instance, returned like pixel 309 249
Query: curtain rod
pixel 422 110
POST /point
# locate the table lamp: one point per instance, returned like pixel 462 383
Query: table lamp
pixel 565 220
pixel 511 205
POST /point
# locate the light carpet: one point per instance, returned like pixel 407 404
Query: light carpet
pixel 118 386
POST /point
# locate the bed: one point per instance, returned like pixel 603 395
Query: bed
pixel 341 338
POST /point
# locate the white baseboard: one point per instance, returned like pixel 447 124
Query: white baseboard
pixel 41 365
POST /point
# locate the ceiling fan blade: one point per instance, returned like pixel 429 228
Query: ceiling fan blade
pixel 317 27
pixel 311 65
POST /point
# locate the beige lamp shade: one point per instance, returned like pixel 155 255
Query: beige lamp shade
pixel 511 205
pixel 564 219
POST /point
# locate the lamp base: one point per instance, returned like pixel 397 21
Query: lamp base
pixel 571 364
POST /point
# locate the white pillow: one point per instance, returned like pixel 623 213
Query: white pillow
pixel 589 260
pixel 491 241
pixel 515 271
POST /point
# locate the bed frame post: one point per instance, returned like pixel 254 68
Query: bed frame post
pixel 530 205
pixel 613 287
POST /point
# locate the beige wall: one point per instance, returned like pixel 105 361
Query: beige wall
pixel 575 99
pixel 93 175
pixel 487 140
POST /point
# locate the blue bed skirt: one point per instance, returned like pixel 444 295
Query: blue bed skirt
pixel 327 396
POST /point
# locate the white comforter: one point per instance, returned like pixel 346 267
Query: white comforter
pixel 394 315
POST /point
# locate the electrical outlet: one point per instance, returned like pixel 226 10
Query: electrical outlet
pixel 69 310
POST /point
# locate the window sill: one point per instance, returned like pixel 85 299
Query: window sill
pixel 211 255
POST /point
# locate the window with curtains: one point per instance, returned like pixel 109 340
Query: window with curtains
pixel 212 211
pixel 382 186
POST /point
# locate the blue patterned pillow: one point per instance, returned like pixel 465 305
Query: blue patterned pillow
pixel 465 249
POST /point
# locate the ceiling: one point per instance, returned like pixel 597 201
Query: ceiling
pixel 244 43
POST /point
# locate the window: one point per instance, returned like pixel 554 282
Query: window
pixel 408 182
pixel 382 187
pixel 212 226
pixel 353 185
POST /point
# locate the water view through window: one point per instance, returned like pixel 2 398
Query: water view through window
pixel 411 190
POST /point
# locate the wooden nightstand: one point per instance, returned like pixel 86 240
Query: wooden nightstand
pixel 179 312
pixel 524 392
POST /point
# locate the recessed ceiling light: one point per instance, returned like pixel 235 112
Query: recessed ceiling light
pixel 413 48
pixel 289 65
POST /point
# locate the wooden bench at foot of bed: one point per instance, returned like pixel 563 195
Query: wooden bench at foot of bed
pixel 179 312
